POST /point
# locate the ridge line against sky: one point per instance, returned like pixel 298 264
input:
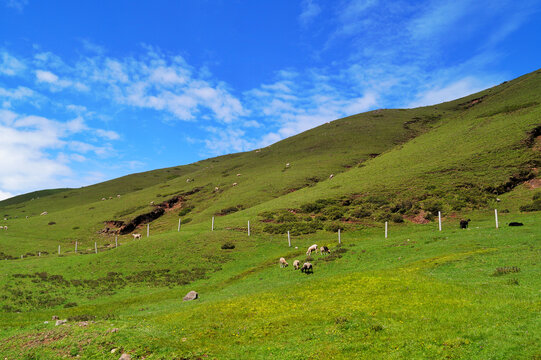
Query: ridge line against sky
pixel 90 92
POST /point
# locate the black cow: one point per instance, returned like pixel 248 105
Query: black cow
pixel 464 224
pixel 514 223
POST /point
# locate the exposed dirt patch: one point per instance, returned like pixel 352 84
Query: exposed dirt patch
pixel 419 218
pixel 533 183
pixel 469 104
pixel 122 228
pixel 515 180
pixel 533 139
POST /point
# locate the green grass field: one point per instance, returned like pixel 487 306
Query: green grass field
pixel 419 294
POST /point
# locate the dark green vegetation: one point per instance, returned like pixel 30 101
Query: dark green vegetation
pixel 471 294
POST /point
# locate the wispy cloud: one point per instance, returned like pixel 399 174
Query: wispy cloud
pixel 16 4
pixel 309 11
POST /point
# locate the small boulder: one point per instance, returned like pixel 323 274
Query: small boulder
pixel 192 295
pixel 114 350
pixel 124 357
pixel 60 322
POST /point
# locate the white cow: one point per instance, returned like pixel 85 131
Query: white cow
pixel 136 236
pixel 283 263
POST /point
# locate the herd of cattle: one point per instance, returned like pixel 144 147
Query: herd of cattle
pixel 307 267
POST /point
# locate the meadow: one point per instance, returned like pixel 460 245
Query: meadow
pixel 418 294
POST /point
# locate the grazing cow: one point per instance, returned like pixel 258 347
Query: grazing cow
pixel 239 174
pixel 307 268
pixel 216 188
pixel 287 165
pixel 118 196
pixel 283 263
pixel 235 184
pixel 5 227
pixel 43 213
pixel 514 223
pixel 296 264
pixel 311 248
pixel 324 250
pixel 136 236
pixel 464 224
pixel 331 176
pixel 102 199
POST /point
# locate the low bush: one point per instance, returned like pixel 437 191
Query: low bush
pixel 228 245
pixel 505 270
pixel 397 218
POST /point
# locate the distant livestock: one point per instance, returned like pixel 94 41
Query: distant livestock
pixel 331 176
pixel 296 264
pixel 216 188
pixel 464 224
pixel 152 203
pixel 307 268
pixel 311 249
pixel 514 223
pixel 102 199
pixel 239 174
pixel 283 263
pixel 287 165
pixel 324 250
pixel 235 184
pixel 136 236
pixel 43 213
pixel 118 196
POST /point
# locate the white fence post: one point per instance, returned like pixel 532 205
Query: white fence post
pixel 385 229
pixel 58 249
pixel 212 227
pixel 178 225
pixel 96 247
pixel 76 246
pixel 339 241
pixel 148 230
pixel 439 219
pixel 116 241
pixel 248 227
pixel 288 239
pixel 496 217
pixel 39 253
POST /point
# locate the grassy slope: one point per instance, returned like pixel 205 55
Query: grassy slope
pixel 430 297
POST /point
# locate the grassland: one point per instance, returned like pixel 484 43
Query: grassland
pixel 421 293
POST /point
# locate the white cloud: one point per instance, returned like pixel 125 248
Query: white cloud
pixel 10 65
pixel 108 134
pixel 28 144
pixel 5 195
pixel 455 90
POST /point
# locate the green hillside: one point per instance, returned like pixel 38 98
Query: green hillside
pixel 420 293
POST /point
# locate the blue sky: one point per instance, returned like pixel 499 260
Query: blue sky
pixel 94 90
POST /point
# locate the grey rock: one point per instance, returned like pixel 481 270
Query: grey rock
pixel 124 357
pixel 192 295
pixel 60 322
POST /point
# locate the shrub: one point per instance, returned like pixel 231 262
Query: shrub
pixel 397 218
pixel 187 220
pixel 360 213
pixel 505 270
pixel 333 227
pixel 267 215
pixel 185 211
pixel 228 210
pixel 432 206
pixel 51 223
pixel 228 245
pixel 286 217
pixel 334 212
